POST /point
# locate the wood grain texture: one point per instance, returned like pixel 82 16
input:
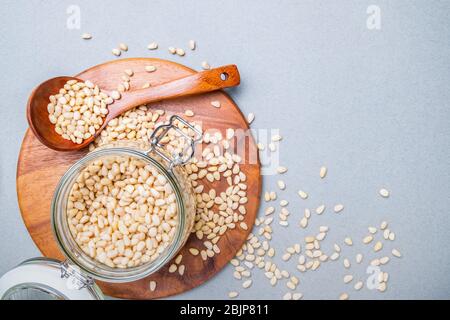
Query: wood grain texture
pixel 39 170
pixel 190 84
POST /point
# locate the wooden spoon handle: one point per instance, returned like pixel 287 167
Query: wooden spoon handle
pixel 201 82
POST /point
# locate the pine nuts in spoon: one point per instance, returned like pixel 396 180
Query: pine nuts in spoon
pixel 77 111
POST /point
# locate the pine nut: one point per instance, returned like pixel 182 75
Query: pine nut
pixel 338 208
pixel 323 172
pixel 215 104
pixel 250 118
pixel 150 68
pixel 116 52
pixel 205 65
pixel 152 46
pixel 123 47
pixel 384 193
pixel 302 194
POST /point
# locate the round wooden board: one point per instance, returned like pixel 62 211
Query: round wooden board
pixel 39 170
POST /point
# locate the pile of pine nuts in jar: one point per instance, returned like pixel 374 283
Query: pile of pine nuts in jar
pixel 122 212
pixel 77 111
pixel 219 208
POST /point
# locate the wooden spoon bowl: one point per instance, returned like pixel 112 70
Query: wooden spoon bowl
pixel 44 130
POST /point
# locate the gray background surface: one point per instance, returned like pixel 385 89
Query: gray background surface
pixel 373 106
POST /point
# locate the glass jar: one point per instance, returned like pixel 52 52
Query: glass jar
pixel 169 165
pixel 44 278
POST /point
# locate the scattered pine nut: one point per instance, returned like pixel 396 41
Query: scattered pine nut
pixel 334 256
pixel 116 52
pixel 282 170
pixel 194 251
pixel 396 253
pixel 384 193
pixel 297 296
pixel 178 259
pixel 384 260
pixel 172 50
pixel 276 138
pixel 359 258
pixel 375 262
pixel 338 208
pixel 181 269
pixel 246 284
pixel 368 239
pixel 192 44
pixel 323 172
pixel 347 264
pixel 180 52
pixel 358 285
pixel 234 262
pixel 348 278
pixel 189 113
pixel 250 118
pixel 123 47
pixel 272 147
pixel 348 241
pixel 215 104
pixel 115 95
pixel 343 296
pixel 378 246
pixel 232 294
pixel 150 68
pixel 290 285
pixel 205 65
pixel 302 194
pixel 284 203
pixel 173 268
pixel 320 209
pixel 229 133
pixel 269 211
pixel 86 36
pixel 152 46
pixel 304 222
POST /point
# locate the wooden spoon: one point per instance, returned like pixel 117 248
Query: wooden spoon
pixel 201 82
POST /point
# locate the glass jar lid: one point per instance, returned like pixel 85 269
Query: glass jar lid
pixel 47 279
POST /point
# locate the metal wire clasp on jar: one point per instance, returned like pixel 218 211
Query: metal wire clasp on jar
pixel 86 230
